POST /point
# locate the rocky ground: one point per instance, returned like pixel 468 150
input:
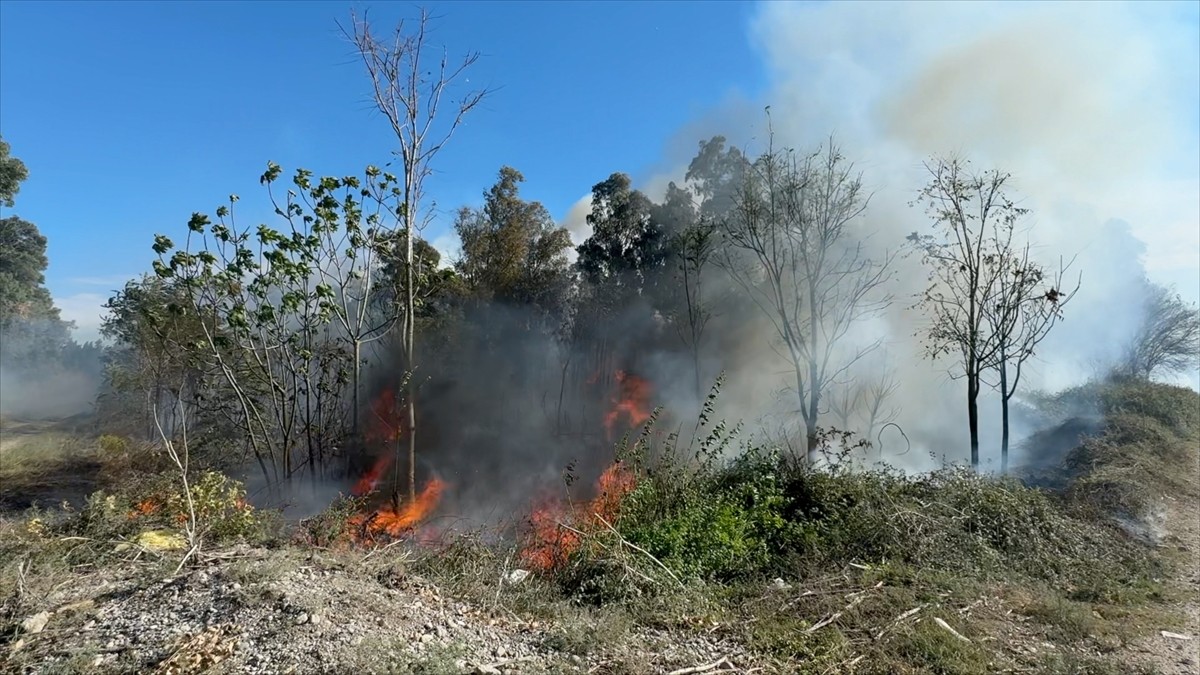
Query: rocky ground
pixel 259 611
pixel 284 608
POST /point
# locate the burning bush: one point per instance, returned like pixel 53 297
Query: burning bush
pixel 554 527
pixel 392 520
pixel 630 402
pixel 556 530
pixel 222 510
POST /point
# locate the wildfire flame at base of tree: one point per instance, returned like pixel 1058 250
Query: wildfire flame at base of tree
pixel 390 520
pixel 370 480
pixel 556 528
pixel 395 522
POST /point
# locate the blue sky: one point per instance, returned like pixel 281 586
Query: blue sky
pixel 132 115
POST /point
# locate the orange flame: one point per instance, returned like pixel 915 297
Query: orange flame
pixel 394 522
pixel 386 425
pixel 146 507
pixel 370 480
pixel 555 530
pixel 632 401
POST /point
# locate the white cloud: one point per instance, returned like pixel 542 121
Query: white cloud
pixel 86 310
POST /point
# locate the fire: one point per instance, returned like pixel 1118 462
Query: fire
pixel 384 428
pixel 616 482
pixel 631 401
pixel 146 507
pixel 555 529
pixel 387 425
pixel 394 522
pixel 370 480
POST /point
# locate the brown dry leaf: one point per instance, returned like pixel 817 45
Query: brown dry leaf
pixel 199 653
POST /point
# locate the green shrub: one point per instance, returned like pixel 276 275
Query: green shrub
pixel 113 445
pixel 761 516
pixel 333 525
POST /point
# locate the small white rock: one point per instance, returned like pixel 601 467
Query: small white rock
pixel 36 623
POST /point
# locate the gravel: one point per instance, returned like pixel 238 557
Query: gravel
pixel 259 611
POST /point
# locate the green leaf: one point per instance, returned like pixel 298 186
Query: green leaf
pixel 271 174
pixel 198 222
pixel 161 270
pixel 162 244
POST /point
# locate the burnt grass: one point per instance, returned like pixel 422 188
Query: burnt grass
pixel 1055 569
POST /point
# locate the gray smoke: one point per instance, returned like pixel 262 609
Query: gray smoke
pixel 1091 107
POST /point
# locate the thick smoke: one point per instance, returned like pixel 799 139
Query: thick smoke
pixel 48 395
pixel 1092 108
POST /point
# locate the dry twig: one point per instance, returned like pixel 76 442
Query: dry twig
pixel 953 632
pixel 708 667
pixel 640 550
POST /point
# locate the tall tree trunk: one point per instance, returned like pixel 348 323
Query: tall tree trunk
pixel 973 415
pixel 410 303
pixel 562 388
pixel 1004 396
pixel 814 401
pixel 412 444
pixel 355 419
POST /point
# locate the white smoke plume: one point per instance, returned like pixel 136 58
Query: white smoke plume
pixel 1093 108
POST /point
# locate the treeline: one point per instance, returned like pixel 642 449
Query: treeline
pixel 306 345
pixel 37 351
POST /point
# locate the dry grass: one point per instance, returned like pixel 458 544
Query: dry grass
pixel 40 463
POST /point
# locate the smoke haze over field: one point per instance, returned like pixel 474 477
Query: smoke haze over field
pixel 1092 107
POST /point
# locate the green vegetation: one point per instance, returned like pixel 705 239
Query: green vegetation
pixel 300 348
pixel 838 569
pixel 866 560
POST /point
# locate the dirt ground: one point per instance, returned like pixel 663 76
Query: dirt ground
pixel 1171 653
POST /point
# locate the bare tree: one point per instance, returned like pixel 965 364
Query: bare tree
pixel 180 456
pixel 865 406
pixel 408 90
pixel 877 410
pixel 973 221
pixel 791 250
pixel 1168 338
pixel 843 404
pixel 694 247
pixel 1027 303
